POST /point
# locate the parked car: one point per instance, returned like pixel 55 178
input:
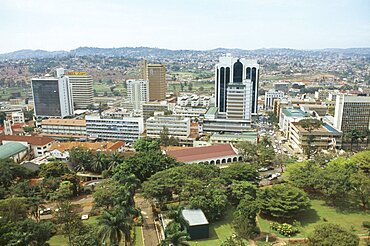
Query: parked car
pixel 45 211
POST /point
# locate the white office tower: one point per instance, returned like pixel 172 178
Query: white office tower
pixel 270 96
pixel 238 79
pixel 82 89
pixel 137 93
pixel 52 96
pixel 352 112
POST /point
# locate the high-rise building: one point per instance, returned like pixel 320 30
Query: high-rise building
pixel 238 79
pixel 352 112
pixel 156 75
pixel 82 89
pixel 270 96
pixel 52 96
pixel 137 93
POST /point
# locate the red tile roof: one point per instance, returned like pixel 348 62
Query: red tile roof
pixel 202 153
pixel 33 140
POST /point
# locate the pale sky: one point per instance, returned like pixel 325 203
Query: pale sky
pixel 184 24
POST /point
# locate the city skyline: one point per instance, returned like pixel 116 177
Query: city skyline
pixel 199 25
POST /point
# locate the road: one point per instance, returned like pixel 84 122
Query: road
pixel 149 227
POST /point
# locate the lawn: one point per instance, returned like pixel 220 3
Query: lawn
pixel 319 213
pixel 138 236
pixel 218 232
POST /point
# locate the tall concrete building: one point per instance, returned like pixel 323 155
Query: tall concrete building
pixel 352 112
pixel 137 93
pixel 82 89
pixel 52 96
pixel 156 75
pixel 236 87
pixel 270 96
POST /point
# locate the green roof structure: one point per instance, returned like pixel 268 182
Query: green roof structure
pixel 10 149
pixel 294 112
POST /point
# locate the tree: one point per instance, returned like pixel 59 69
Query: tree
pixel 240 190
pixel 164 138
pixel 115 159
pixel 100 162
pixel 115 225
pixel 247 150
pixel 361 160
pixel 10 171
pixel 146 144
pixel 310 125
pixel 2 118
pixel 28 129
pixel 306 175
pixel 233 241
pixel 81 159
pixel 240 172
pixel 68 219
pixel 352 135
pixel 283 201
pixel 54 169
pixel 360 183
pixel 332 235
pixel 14 209
pixel 105 193
pixel 244 223
pixel 64 192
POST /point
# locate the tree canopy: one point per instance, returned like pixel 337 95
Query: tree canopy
pixel 332 235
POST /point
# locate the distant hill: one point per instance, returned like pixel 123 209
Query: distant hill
pixel 137 52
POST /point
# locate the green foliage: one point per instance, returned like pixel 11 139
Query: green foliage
pixel 14 209
pixel 240 172
pixel 105 193
pixel 240 190
pixel 261 154
pixel 10 171
pixel 352 135
pixel 284 229
pixel 145 164
pixel 332 235
pixel 146 144
pixel 305 175
pixel 28 129
pixel 54 169
pixel 283 201
pixel 361 160
pixel 81 159
pixel 360 184
pixel 64 192
pixel 233 241
pixel 244 222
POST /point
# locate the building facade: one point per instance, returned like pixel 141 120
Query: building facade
pixel 82 89
pixel 52 97
pixel 137 93
pixel 127 129
pixel 64 128
pixel 156 75
pixel 236 76
pixel 177 126
pixel 352 112
pixel 271 96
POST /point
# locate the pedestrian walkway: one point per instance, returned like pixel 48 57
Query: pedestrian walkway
pixel 149 232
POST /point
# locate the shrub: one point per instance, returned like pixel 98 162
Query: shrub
pixel 284 229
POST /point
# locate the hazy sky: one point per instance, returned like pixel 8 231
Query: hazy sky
pixel 184 24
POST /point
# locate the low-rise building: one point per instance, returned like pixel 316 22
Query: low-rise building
pixel 218 138
pixel 64 128
pixel 15 151
pixel 150 108
pixel 37 145
pixel 325 137
pixel 289 115
pixel 178 127
pixel 127 129
pixel 18 118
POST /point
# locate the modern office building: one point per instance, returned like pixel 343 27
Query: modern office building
pixel 137 93
pixel 82 89
pixel 178 127
pixel 127 129
pixel 352 112
pixel 270 96
pixel 52 96
pixel 156 75
pixel 289 115
pixel 238 79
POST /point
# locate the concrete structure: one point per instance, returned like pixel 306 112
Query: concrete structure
pixel 215 154
pixel 82 89
pixel 177 126
pixel 150 108
pixel 127 129
pixel 64 128
pixel 18 118
pixel 52 96
pixel 321 94
pixel 189 112
pixel 352 112
pixel 325 137
pixel 289 115
pixel 270 96
pixel 218 138
pixel 13 150
pixel 37 146
pixel 137 93
pixel 238 79
pixel 156 75
pixel 196 223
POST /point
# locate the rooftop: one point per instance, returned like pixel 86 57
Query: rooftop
pixel 194 217
pixel 9 149
pixel 65 122
pixel 33 140
pixel 295 112
pixel 202 153
pixel 212 111
pixel 96 146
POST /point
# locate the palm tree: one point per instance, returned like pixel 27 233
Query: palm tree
pixel 115 159
pixel 177 239
pixel 352 135
pixel 100 162
pixel 115 225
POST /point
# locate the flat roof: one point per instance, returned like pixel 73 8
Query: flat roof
pixel 295 112
pixel 212 111
pixel 64 122
pixel 194 217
